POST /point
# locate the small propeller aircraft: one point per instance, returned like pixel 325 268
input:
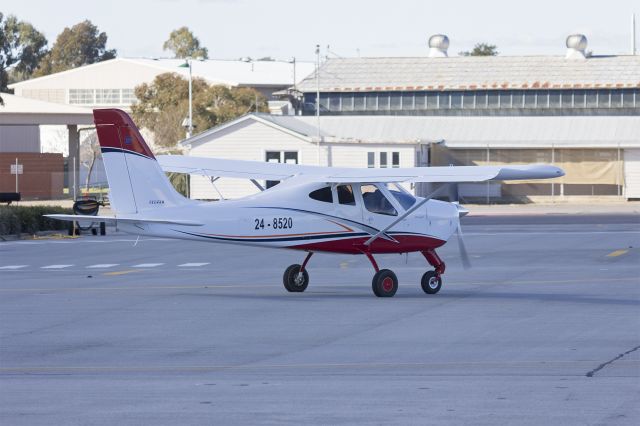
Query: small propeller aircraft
pixel 312 209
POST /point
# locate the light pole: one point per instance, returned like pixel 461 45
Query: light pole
pixel 318 97
pixel 189 126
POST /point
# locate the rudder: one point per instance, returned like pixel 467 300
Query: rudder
pixel 136 180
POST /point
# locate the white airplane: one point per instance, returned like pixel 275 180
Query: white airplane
pixel 312 209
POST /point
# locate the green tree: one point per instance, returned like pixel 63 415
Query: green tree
pixel 481 49
pixel 21 48
pixel 79 45
pixel 163 105
pixel 184 44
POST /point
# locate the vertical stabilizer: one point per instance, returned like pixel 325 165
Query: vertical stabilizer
pixel 136 181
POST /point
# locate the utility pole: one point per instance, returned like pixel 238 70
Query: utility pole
pixel 633 33
pixel 318 98
pixel 190 128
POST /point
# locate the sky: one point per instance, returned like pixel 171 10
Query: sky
pixel 283 29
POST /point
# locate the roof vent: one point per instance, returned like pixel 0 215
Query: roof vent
pixel 438 45
pixel 576 46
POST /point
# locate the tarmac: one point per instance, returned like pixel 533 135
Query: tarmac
pixel 544 329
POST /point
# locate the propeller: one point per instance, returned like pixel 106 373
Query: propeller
pixel 464 255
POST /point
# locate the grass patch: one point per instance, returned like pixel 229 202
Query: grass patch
pixel 30 219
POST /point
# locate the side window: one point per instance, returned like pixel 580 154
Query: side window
pixel 376 202
pixel 345 195
pixel 322 194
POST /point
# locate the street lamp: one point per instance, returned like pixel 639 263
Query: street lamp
pixel 189 124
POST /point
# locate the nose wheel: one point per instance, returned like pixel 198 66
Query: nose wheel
pixel 295 280
pixel 431 282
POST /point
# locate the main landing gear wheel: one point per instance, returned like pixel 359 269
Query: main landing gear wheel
pixel 385 283
pixel 431 282
pixel 294 281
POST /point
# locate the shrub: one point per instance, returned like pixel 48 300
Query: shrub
pixel 30 219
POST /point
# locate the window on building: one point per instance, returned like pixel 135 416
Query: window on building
pixel 567 98
pixel 420 101
pixel 468 100
pixel 81 96
pixel 592 99
pixel 347 102
pixel 579 98
pixel 383 159
pixel 372 102
pixel 371 159
pixel 345 195
pixel 616 99
pixel 358 102
pixel 444 100
pixel 383 101
pixel 456 100
pixel 108 96
pixel 322 194
pixel 492 99
pixel 396 101
pixel 128 97
pixel 324 102
pixel 408 101
pixel 432 100
pixel 481 99
pixel 334 102
pixel 395 159
pixel 505 99
pixel 517 99
pixel 628 96
pixel 542 100
pixel 289 157
pixel 530 99
pixel 604 100
pixel 554 99
pixel 376 202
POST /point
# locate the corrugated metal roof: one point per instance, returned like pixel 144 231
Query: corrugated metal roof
pixel 474 72
pixel 472 132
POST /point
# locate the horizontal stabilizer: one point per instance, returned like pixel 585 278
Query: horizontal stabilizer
pixel 111 220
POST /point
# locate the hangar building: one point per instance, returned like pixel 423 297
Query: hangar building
pixel 578 110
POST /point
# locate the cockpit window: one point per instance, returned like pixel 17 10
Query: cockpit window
pixel 322 194
pixel 376 202
pixel 405 200
pixel 345 195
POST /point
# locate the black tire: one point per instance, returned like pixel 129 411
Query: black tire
pixel 431 282
pixel 94 231
pixel 384 283
pixel 291 282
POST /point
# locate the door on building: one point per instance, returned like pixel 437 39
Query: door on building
pixel 288 157
pixel 632 173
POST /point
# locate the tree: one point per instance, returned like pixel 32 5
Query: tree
pixel 164 104
pixel 79 45
pixel 184 44
pixel 21 48
pixel 481 49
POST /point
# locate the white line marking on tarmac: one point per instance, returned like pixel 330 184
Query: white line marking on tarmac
pixel 147 265
pixel 55 266
pixel 13 267
pixel 103 265
pixel 193 265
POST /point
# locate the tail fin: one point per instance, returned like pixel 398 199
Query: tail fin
pixel 136 181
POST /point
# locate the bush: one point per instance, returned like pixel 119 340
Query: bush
pixel 30 219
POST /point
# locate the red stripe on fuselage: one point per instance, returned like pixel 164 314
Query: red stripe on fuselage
pixel 406 243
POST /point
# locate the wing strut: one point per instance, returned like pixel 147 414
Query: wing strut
pixel 405 214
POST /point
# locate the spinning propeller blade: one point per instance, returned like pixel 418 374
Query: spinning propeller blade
pixel 464 255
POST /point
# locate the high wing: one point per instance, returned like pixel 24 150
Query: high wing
pixel 112 220
pixel 214 167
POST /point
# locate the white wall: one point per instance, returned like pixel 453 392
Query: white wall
pixel 248 140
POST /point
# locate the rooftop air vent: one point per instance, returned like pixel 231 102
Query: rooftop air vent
pixel 576 46
pixel 438 45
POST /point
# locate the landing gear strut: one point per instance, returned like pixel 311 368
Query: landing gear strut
pixel 296 278
pixel 432 280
